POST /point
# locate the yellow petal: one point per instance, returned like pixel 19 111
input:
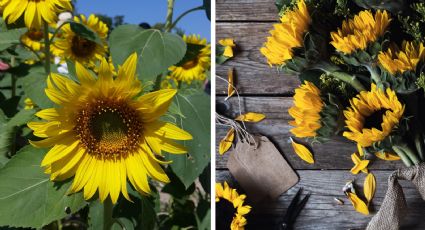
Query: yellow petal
pixel 356 160
pixel 231 84
pixel 227 42
pixel 360 150
pixel 369 186
pixel 358 204
pixel 302 152
pixel 387 156
pixel 359 166
pixel 227 141
pixel 251 117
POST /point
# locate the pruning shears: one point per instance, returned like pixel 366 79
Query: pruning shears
pixel 293 211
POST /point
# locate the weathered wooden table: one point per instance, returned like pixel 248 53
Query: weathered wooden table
pixel 264 90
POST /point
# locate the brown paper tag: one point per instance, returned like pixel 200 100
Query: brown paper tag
pixel 261 170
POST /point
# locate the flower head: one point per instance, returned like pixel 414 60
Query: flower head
pixel 287 35
pixel 103 133
pixel 196 68
pixel 33 39
pixel 306 110
pixel 36 11
pixel 359 32
pixel 74 47
pixel 372 116
pixel 228 201
pixel 395 60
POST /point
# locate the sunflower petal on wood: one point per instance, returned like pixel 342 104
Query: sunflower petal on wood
pixel 227 141
pixel 251 117
pixel 358 204
pixel 230 84
pixel 359 164
pixel 228 44
pixel 369 186
pixel 387 156
pixel 302 151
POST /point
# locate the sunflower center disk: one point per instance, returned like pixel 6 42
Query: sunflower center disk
pixel 35 35
pixel 82 47
pixel 375 120
pixel 190 64
pixel 109 130
pixel 224 213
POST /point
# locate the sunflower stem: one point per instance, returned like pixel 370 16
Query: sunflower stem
pixel 13 76
pixel 411 154
pixel 419 145
pixel 108 220
pixel 352 80
pixel 402 156
pixel 46 47
pixel 374 74
pixel 184 14
pixel 169 20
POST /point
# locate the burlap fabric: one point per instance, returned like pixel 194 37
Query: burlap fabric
pixel 394 206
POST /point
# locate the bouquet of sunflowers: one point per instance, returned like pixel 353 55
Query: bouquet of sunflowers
pixel 361 69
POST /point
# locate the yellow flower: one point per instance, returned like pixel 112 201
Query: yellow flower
pixel 306 110
pixel 29 104
pixel 76 48
pixel 372 116
pixel 224 195
pixel 357 33
pixel 33 39
pixel 228 44
pixel 102 133
pixel 287 35
pixel 194 69
pixel 36 11
pixel 169 83
pixel 394 60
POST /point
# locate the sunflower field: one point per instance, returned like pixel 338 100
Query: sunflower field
pixel 102 126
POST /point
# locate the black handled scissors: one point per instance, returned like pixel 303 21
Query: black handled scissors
pixel 293 211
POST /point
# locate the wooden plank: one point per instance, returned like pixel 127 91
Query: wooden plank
pixel 321 211
pixel 246 10
pixel 334 154
pixel 252 73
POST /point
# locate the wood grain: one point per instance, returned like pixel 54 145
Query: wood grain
pixel 252 74
pixel 321 211
pixel 246 10
pixel 334 154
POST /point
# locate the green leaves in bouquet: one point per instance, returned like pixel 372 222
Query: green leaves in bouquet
pixel 27 196
pixel 195 120
pixel 85 32
pixel 11 37
pixel 394 6
pixel 157 50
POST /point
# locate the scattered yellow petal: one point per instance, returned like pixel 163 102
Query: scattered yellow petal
pixel 251 117
pixel 228 44
pixel 29 104
pixel 231 84
pixel 359 166
pixel 369 186
pixel 302 152
pixel 358 204
pixel 356 160
pixel 387 156
pixel 227 141
pixel 360 150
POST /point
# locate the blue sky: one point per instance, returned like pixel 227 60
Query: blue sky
pixel 151 11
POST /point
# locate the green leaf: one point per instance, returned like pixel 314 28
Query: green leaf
pixel 10 38
pixel 27 196
pixel 85 32
pixel 176 188
pixel 207 7
pixel 34 84
pixel 157 50
pixel 205 223
pixel 196 121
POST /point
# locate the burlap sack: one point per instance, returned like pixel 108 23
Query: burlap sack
pixel 394 206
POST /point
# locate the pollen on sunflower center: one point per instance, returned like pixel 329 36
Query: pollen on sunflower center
pixel 109 129
pixel 82 47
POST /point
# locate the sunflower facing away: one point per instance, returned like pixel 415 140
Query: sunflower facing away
pixel 395 60
pixel 230 208
pixel 76 48
pixel 194 69
pixel 306 110
pixel 357 33
pixel 35 11
pixel 372 116
pixel 33 39
pixel 101 133
pixel 288 34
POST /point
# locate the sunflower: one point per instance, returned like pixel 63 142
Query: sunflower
pixel 102 132
pixel 33 39
pixel 193 69
pixel 74 47
pixel 357 33
pixel 230 209
pixel 287 35
pixel 395 60
pixel 372 116
pixel 36 11
pixel 306 110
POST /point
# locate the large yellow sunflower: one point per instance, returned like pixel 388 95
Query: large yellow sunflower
pixel 228 201
pixel 395 60
pixel 363 29
pixel 372 116
pixel 288 34
pixel 194 69
pixel 306 110
pixel 102 132
pixel 36 11
pixel 76 48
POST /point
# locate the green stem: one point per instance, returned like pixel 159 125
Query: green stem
pixel 184 14
pixel 56 31
pixel 352 80
pixel 13 86
pixel 411 154
pixel 158 81
pixel 108 208
pixel 46 48
pixel 419 145
pixel 374 74
pixel 403 156
pixel 169 20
